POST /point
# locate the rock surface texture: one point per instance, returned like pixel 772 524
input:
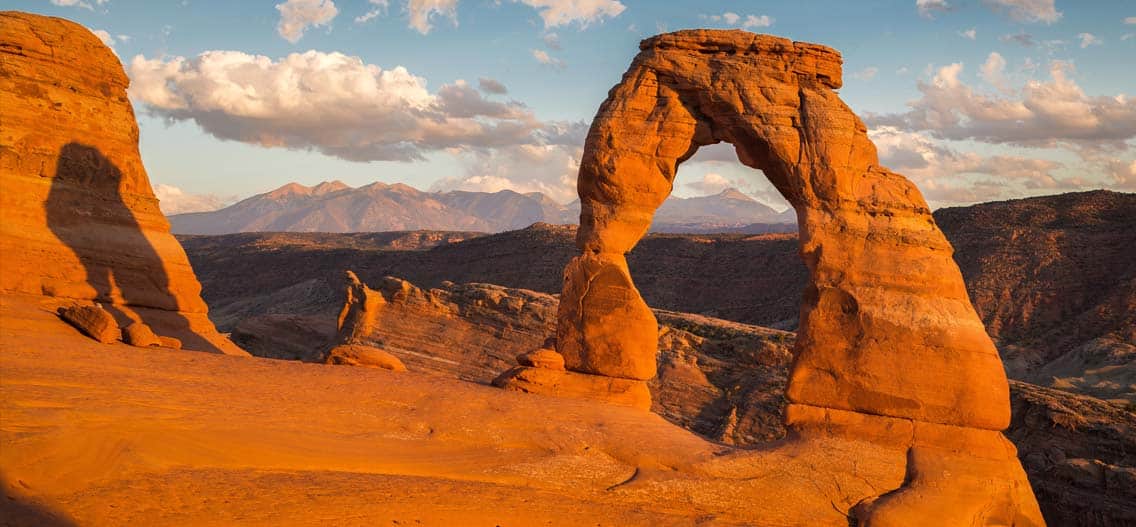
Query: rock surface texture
pixel 78 218
pixel 889 344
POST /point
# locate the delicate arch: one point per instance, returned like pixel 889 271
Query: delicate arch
pixel 886 327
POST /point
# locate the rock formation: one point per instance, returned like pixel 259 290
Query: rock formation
pixel 365 356
pixel 889 346
pixel 78 218
pixel 93 321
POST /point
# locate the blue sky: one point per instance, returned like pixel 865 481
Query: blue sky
pixel 972 99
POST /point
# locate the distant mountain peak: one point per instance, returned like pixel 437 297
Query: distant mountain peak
pixel 327 187
pixel 733 193
pixel 288 190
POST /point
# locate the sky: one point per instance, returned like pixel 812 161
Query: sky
pixel 973 100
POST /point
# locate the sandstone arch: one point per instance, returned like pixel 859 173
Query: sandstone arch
pixel 886 325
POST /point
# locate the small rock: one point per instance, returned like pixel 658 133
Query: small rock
pixel 139 334
pixel 608 390
pixel 169 342
pixel 93 321
pixel 366 356
pixel 542 358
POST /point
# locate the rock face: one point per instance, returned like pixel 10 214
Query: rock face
pixel 78 219
pixel 93 321
pixel 889 344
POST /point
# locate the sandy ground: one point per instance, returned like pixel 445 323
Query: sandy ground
pixel 94 434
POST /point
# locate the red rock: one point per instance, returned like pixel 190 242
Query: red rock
pixel 78 218
pixel 366 356
pixel 558 383
pixel 884 295
pixel 93 321
pixel 139 334
pixel 169 342
pixel 542 358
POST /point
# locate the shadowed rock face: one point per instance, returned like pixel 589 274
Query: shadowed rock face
pixel 80 222
pixel 889 349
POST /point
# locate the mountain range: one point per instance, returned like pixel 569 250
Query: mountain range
pixel 336 207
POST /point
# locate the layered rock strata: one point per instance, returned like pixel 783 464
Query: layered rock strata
pixel 78 218
pixel 889 346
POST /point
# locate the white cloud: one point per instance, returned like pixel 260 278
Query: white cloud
pixel 711 183
pixel 493 86
pixel 105 36
pixel 928 8
pixel 1122 173
pixel 1130 20
pixel 330 102
pixel 378 7
pixel 79 3
pixel 1049 113
pixel 543 57
pixel 296 16
pixel 993 71
pixel 583 12
pixel 173 200
pixel 971 34
pixel 549 169
pixel 552 41
pixel 1023 38
pixel 730 18
pixel 948 177
pixel 1088 39
pixel 866 74
pixel 423 12
pixel 1028 11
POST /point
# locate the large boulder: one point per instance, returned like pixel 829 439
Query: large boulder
pixel 78 218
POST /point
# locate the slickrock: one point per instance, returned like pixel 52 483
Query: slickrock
pixel 93 321
pixel 78 218
pixel 140 335
pixel 366 356
pixel 888 337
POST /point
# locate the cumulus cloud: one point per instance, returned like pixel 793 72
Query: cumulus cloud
pixel 173 200
pixel 552 41
pixel 583 12
pixel 1022 38
pixel 296 16
pixel 543 57
pixel 993 71
pixel 1088 39
pixel 330 102
pixel 730 18
pixel 105 36
pixel 550 169
pixel 711 183
pixel 79 3
pixel 1027 11
pixel 493 86
pixel 1130 20
pixel 866 74
pixel 1049 113
pixel 1122 173
pixel 422 13
pixel 378 7
pixel 947 176
pixel 928 8
pixel 970 34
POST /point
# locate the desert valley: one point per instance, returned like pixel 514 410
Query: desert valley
pixel 380 354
